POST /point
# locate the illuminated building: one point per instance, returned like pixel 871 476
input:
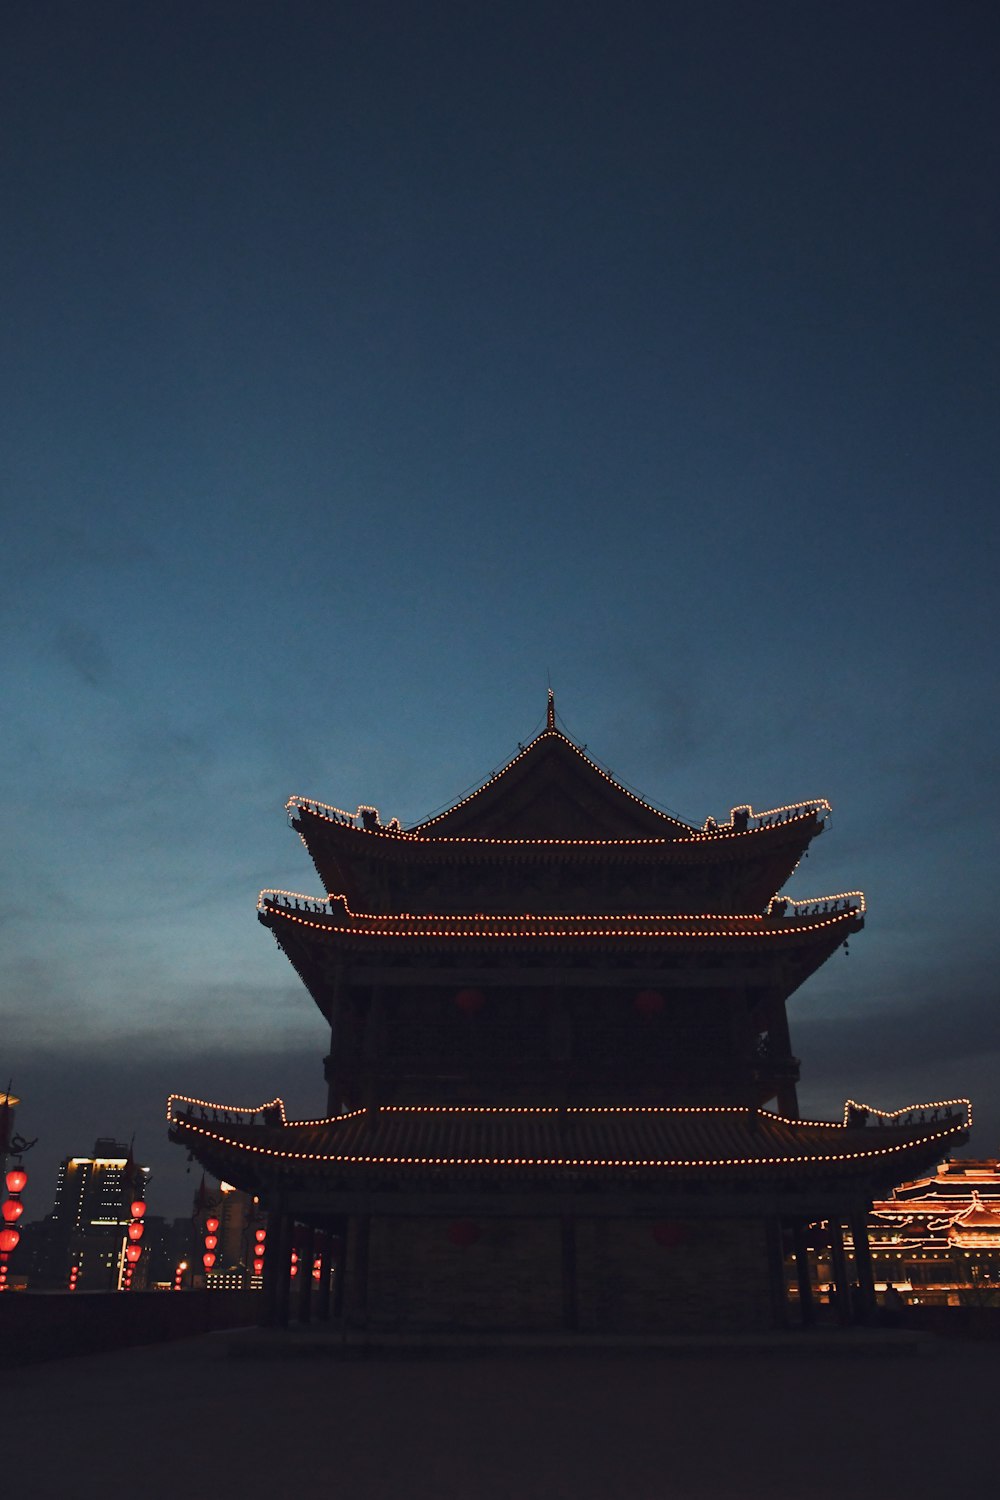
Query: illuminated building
pixel 236 1216
pixel 89 1220
pixel 557 1030
pixel 937 1239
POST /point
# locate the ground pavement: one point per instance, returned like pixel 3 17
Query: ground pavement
pixel 186 1420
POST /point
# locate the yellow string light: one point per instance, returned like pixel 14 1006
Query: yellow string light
pixel 519 926
pixel 394 832
pixel 394 829
pixel 645 1163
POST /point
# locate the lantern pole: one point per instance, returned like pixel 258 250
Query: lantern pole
pixel 16 1181
pixel 133 1249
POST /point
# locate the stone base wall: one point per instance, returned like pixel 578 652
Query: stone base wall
pixel 687 1276
pixel 598 1275
pixel 457 1274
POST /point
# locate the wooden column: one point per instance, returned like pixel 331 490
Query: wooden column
pixel 807 1306
pixel 781 1043
pixel 281 1250
pixel 303 1298
pixel 776 1272
pixel 323 1241
pixel 334 1064
pixel 372 1050
pixel 567 1235
pixel 272 1265
pixel 863 1266
pixel 843 1286
pixel 357 1284
pixel 338 1264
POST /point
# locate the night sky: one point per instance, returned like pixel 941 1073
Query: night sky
pixel 370 364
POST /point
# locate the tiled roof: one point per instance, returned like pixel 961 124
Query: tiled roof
pixel 698 846
pixel 530 1142
pixel 332 919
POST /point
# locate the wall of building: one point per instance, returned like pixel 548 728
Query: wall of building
pixel 509 1277
pixel 695 1276
pixel 515 1274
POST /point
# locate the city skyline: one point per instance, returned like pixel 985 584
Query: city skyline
pixel 373 370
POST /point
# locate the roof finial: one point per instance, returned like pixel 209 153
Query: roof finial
pixel 550 713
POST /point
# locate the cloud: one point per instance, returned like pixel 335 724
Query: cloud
pixel 82 649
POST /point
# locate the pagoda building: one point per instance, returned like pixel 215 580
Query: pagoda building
pixel 562 1095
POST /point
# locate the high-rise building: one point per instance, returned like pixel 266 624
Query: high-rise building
pixel 88 1225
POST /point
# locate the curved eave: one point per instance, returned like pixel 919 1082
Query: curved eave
pixel 694 847
pixel 409 932
pixel 657 1144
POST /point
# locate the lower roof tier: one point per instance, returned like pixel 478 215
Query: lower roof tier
pixel 259 1148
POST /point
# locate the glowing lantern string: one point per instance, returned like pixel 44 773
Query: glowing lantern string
pixel 13 1208
pixel 211 1242
pixel 133 1252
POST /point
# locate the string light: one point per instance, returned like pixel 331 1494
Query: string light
pixel 547 734
pixel 807 1157
pixel 561 927
pixel 394 833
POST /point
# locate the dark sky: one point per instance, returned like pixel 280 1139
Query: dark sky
pixel 368 362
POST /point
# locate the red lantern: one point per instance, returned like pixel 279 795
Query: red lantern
pixel 17 1180
pixel 138 1209
pixel 464 1233
pixel 211 1240
pixel 208 1260
pixel 258 1268
pixel 260 1235
pixel 470 1000
pixel 648 1002
pixel 212 1225
pixel 132 1253
pixel 9 1239
pixel 135 1233
pixel 12 1210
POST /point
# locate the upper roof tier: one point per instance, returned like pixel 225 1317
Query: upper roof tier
pixel 548 807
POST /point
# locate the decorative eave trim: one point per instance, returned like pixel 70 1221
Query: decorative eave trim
pixel 336 919
pixel 393 833
pixel 183 1125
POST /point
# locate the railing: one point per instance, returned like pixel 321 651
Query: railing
pixel 272 1113
pixel 817 906
pixel 366 818
pixel 943 1112
pixel 296 901
pixel 743 819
